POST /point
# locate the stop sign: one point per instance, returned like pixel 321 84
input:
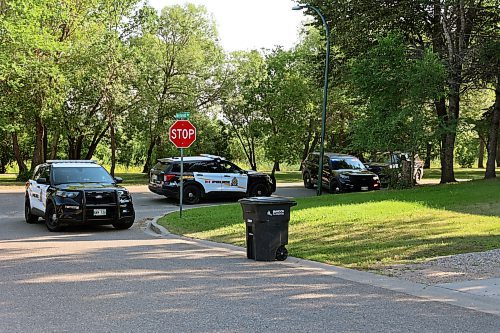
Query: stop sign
pixel 182 134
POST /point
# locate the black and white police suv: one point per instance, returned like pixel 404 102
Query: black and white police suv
pixel 207 175
pixel 74 192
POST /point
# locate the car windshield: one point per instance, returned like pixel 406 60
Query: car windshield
pixel 347 163
pixel 81 175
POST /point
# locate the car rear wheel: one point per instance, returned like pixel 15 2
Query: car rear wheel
pixel 191 195
pixel 259 190
pixel 28 216
pixel 308 181
pixel 51 219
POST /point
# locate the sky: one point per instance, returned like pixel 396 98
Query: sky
pixel 250 24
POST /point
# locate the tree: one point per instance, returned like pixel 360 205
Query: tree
pixel 396 86
pixel 451 29
pixel 178 61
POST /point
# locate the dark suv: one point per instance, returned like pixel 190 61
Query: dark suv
pixel 341 173
pixel 77 192
pixel 381 164
pixel 207 175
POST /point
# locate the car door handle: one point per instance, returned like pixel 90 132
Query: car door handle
pixel 227 176
pixel 200 174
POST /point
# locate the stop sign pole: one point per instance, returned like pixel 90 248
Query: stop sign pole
pixel 182 134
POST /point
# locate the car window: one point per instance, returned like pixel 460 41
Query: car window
pixel 68 175
pixel 228 167
pixel 347 163
pixel 177 167
pixel 36 174
pixel 45 173
pixel 209 167
pixel 162 167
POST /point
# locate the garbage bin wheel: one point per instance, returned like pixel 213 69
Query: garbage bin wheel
pixel 191 195
pixel 259 190
pixel 281 253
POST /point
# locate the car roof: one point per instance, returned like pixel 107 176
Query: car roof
pixel 200 158
pixel 335 155
pixel 73 163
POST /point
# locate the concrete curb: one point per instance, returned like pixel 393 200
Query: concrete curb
pixel 427 292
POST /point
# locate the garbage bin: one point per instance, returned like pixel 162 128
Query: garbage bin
pixel 266 220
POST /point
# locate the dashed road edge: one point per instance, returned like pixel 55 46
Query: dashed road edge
pixel 429 293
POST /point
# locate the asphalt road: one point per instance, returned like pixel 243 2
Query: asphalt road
pixel 102 280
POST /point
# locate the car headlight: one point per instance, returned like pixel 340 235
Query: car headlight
pixel 67 194
pixel 344 177
pixel 124 196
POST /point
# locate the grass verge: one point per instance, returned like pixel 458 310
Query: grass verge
pixel 369 230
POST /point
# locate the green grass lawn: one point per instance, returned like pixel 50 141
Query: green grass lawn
pixel 368 230
pixel 460 173
pixel 9 179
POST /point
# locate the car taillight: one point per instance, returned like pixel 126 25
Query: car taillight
pixel 169 177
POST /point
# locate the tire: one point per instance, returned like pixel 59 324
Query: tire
pixel 191 195
pixel 51 220
pixel 123 226
pixel 308 181
pixel 30 218
pixel 259 190
pixel 335 187
pixel 281 253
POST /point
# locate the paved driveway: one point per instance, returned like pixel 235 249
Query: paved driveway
pixel 103 280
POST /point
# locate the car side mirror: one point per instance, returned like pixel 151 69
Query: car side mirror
pixel 118 180
pixel 41 181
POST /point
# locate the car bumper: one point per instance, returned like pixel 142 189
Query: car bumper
pixel 168 191
pixel 113 214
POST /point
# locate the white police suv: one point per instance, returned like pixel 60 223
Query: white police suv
pixel 74 192
pixel 207 175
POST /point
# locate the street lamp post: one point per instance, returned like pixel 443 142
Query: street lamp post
pixel 325 95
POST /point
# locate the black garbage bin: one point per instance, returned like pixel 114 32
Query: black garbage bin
pixel 266 220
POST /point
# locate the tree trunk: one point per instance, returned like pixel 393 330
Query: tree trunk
pixel 78 147
pixel 493 136
pixel 113 148
pixel 95 142
pixel 38 154
pixel 428 152
pixel 17 154
pixel 147 165
pixel 54 144
pixel 448 124
pixel 480 157
pixel 45 141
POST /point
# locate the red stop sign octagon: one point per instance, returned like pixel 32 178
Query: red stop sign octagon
pixel 182 134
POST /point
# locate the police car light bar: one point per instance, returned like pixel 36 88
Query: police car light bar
pixel 72 161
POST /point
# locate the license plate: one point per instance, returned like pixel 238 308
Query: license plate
pixel 364 188
pixel 99 212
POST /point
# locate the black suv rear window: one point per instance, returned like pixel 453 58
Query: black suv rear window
pixel 162 167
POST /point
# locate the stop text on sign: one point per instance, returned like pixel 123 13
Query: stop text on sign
pixel 182 134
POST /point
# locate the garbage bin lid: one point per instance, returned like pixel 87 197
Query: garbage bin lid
pixel 267 201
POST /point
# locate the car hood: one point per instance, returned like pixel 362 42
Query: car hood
pixel 89 186
pixel 377 164
pixel 349 172
pixel 255 173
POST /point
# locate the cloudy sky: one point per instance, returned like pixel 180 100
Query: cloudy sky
pixel 250 24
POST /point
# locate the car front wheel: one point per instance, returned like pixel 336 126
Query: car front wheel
pixel 28 216
pixel 308 181
pixel 51 219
